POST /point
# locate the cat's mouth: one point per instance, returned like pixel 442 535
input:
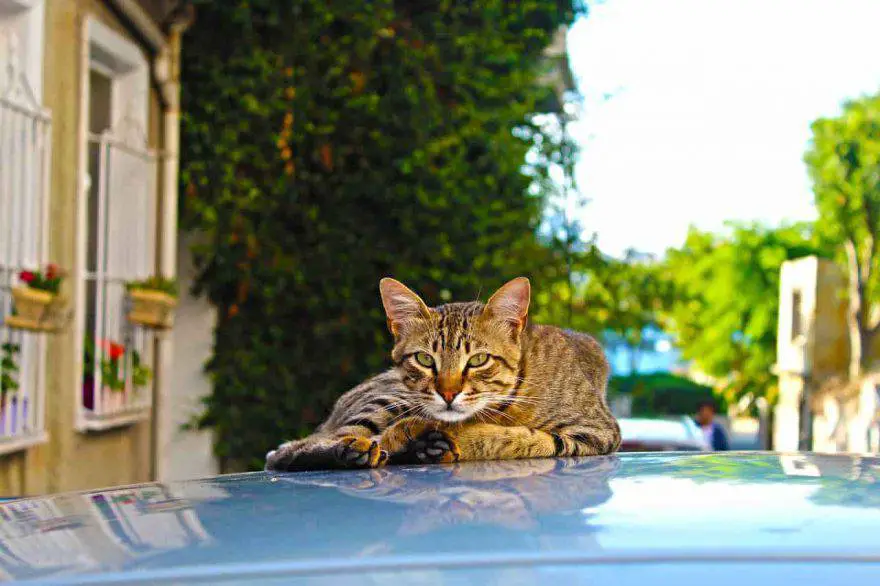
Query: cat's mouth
pixel 452 413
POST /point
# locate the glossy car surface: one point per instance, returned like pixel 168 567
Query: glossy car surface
pixel 672 434
pixel 737 518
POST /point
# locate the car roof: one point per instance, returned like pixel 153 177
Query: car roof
pixel 465 523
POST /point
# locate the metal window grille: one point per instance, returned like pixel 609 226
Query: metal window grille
pixel 121 248
pixel 25 134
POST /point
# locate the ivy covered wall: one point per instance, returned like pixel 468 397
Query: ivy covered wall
pixel 327 144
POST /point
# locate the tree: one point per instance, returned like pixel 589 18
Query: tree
pixel 662 393
pixel 328 144
pixel 726 302
pixel 562 229
pixel 627 295
pixel 844 163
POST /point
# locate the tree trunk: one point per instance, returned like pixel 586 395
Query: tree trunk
pixel 859 334
pixel 857 349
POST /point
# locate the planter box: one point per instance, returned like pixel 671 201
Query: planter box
pixel 152 309
pixel 15 426
pixel 110 400
pixel 35 310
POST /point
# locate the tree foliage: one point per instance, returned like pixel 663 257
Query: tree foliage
pixel 328 144
pixel 725 305
pixel 627 296
pixel 844 163
pixel 662 393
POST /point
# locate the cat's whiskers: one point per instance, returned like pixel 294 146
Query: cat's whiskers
pixel 513 399
pixel 419 409
pixel 492 411
pixel 487 415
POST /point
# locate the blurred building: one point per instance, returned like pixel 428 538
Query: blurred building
pixel 817 408
pixel 557 72
pixel 89 127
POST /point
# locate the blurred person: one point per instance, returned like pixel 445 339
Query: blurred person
pixel 714 434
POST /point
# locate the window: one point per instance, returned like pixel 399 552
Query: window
pixel 797 316
pixel 24 164
pixel 118 235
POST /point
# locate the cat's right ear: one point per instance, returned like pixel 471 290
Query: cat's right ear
pixel 401 304
pixel 510 303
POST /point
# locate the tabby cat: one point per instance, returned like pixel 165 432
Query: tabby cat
pixel 470 382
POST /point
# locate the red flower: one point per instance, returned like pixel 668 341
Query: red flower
pixel 51 271
pixel 26 276
pixel 112 349
pixel 116 350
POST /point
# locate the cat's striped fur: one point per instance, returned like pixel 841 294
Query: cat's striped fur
pixel 470 382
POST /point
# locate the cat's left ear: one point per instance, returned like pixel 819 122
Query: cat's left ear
pixel 511 303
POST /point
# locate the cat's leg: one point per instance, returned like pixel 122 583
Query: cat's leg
pixel 349 438
pixel 420 441
pixel 486 441
pixel 327 452
pixel 588 439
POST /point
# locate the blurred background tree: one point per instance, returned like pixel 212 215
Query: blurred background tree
pixel 329 144
pixel 724 302
pixel 844 164
pixel 627 296
pixel 663 393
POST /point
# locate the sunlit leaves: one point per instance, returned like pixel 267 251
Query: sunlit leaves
pixel 844 163
pixel 726 300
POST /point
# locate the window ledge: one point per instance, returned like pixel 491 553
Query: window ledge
pixel 17 444
pixel 122 418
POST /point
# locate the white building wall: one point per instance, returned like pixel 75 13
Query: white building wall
pixel 188 454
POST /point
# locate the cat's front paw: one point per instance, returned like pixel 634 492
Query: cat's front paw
pixel 431 447
pixel 359 452
pixel 282 458
pixel 326 454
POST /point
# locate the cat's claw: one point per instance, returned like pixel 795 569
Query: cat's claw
pixel 360 452
pixel 431 447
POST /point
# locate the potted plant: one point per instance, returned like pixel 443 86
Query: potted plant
pixel 112 358
pixel 9 388
pixel 37 303
pixel 152 302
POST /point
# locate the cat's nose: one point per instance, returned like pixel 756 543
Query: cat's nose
pixel 448 386
pixel 449 395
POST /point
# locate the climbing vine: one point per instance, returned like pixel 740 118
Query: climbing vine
pixel 327 144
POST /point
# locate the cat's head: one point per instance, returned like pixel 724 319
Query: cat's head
pixel 458 359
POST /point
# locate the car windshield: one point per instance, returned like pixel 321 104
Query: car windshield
pixel 658 429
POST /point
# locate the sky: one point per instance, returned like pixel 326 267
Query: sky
pixel 709 110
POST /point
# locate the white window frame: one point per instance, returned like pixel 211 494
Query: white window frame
pixel 25 155
pixel 125 249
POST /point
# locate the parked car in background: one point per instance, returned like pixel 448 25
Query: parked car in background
pixel 670 434
pixel 633 519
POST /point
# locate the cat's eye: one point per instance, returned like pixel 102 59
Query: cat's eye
pixel 424 359
pixel 478 360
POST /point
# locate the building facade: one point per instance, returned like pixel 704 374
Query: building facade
pixel 816 409
pixel 89 136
